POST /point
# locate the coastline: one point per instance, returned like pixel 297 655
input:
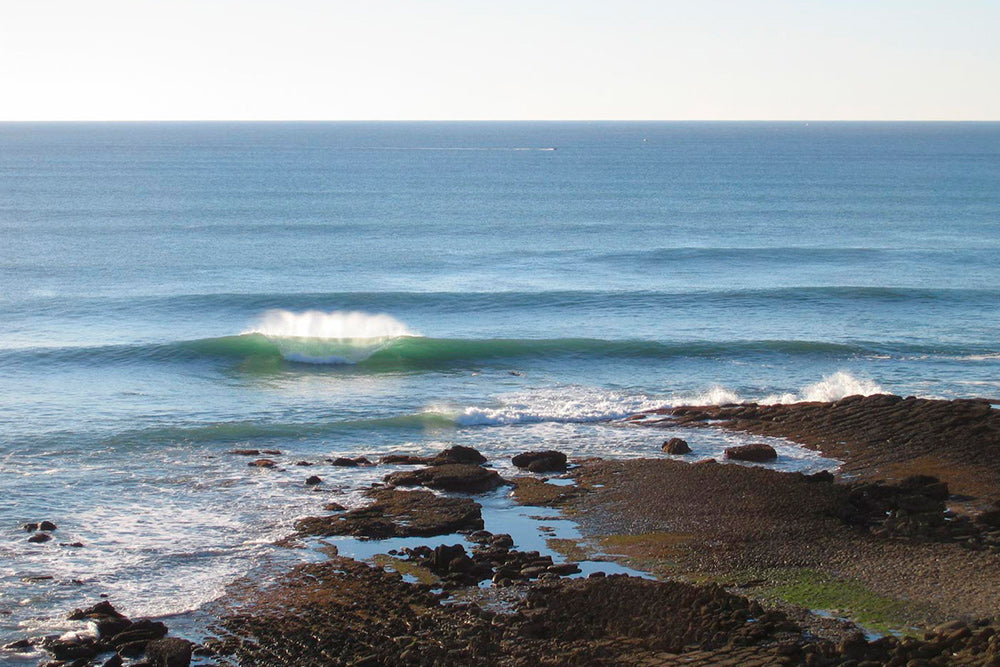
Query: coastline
pixel 750 565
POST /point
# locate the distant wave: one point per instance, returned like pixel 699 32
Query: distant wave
pixel 512 300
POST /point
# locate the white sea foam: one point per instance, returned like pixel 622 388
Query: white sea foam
pixel 338 337
pixel 336 325
pixel 588 404
pixel 564 405
pixel 831 388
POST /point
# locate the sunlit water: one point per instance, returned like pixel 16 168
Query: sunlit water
pixel 171 292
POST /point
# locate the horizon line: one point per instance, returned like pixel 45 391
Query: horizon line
pixel 500 120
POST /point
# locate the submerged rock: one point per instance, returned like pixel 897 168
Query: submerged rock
pixel 39 538
pixel 755 453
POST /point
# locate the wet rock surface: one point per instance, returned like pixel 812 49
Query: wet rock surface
pixel 544 461
pixel 756 453
pixel 767 531
pixel 878 437
pixel 395 513
pixel 460 477
pixel 346 613
pixel 456 454
pixel 493 558
pixel 118 638
pixel 676 446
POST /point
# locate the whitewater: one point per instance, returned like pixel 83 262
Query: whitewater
pixel 172 292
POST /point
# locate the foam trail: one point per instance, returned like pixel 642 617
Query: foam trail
pixel 831 388
pixel 337 337
pixel 563 405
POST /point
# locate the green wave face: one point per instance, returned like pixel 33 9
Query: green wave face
pixel 419 352
pixel 415 352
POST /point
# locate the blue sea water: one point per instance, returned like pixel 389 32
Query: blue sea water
pixel 169 292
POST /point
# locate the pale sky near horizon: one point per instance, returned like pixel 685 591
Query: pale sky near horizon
pixel 499 59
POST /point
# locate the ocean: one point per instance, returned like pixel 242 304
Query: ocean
pixel 170 292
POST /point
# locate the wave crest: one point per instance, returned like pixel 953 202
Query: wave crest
pixel 336 337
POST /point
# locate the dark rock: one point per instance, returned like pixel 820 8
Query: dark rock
pixel 30 527
pixel 563 569
pixel 313 480
pixel 819 477
pixel 108 620
pixel 71 649
pixel 458 454
pixel 397 513
pixel 140 631
pixel 103 608
pixel 540 461
pixel 303 463
pixel 676 446
pixel 262 463
pixel 990 518
pixel 169 652
pixel 47 526
pixel 38 538
pixel 404 459
pixel 756 453
pixel 245 452
pixel 334 507
pixel 75 545
pixel 271 452
pixel 132 649
pixel 362 461
pixel 344 462
pixel 114 661
pixel 20 645
pixel 459 477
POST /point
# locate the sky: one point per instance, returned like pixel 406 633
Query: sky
pixel 499 60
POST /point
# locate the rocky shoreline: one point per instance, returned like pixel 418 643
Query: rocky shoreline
pixel 752 566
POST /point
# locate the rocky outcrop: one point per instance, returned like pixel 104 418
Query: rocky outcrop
pixel 397 513
pixel 460 477
pixel 676 446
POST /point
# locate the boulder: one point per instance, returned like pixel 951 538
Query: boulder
pixel 756 453
pixel 262 463
pixel 461 477
pixel 38 538
pixel 169 652
pixel 344 462
pixel 458 454
pixel 313 480
pixel 545 461
pixel 676 446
